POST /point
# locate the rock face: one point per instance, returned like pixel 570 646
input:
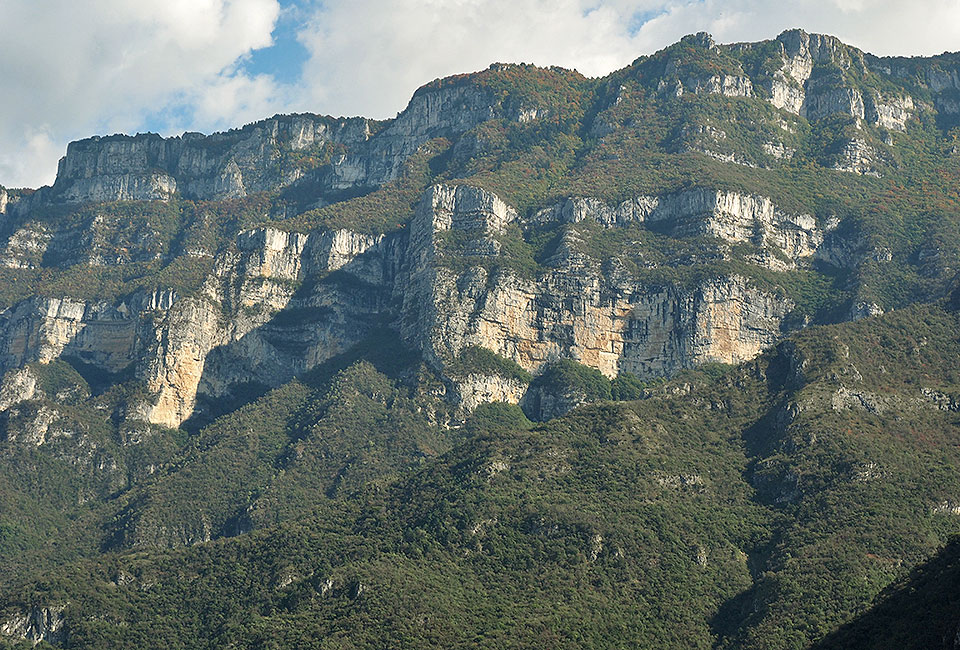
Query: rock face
pixel 25 248
pixel 476 389
pixel 261 156
pixel 574 311
pixel 541 404
pixel 261 318
pixel 893 113
pixel 280 303
pixel 18 385
pixel 807 84
pixel 858 157
pixel 224 165
pixel 729 216
pixel 37 624
pixel 105 334
pixel 726 85
pixel 431 113
pixel 95 240
pixel 227 335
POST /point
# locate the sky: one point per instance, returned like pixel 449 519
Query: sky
pixel 74 68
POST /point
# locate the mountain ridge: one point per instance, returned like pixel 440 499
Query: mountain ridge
pixel 681 339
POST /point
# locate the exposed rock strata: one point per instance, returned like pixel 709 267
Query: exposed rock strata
pixel 280 303
pixel 255 320
pixel 37 624
pixel 223 165
pixel 25 248
pixel 105 334
pixel 802 88
pixel 18 385
pixel 257 157
pixel 858 157
pixel 573 311
pixel 476 389
pixel 729 216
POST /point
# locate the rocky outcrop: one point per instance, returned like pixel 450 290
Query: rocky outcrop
pixel 476 389
pixel 279 305
pixel 944 82
pixel 858 157
pixel 433 112
pixel 26 247
pixel 223 165
pixel 260 156
pixel 726 85
pixel 802 88
pixel 276 306
pixel 573 310
pixel 729 216
pixel 18 385
pixel 800 52
pixel 105 334
pixel 860 310
pixel 779 150
pixel 95 240
pixel 823 98
pixel 542 403
pixel 3 201
pixel 443 209
pixel 37 624
pixel 891 113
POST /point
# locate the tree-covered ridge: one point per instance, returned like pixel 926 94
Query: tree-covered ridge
pixel 918 611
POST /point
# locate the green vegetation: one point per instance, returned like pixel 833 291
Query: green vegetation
pixel 384 210
pixel 568 376
pixel 916 612
pixel 745 510
pixel 474 359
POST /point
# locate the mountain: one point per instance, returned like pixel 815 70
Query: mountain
pixel 665 358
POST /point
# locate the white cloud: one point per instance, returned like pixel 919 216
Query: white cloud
pixel 882 27
pixel 33 154
pixel 367 56
pixel 70 69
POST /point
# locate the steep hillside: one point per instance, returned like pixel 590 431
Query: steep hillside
pixel 759 506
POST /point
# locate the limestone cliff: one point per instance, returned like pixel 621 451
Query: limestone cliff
pixel 343 153
pixel 576 311
pixel 261 156
pixel 563 273
pixel 36 624
pixel 807 83
pixel 730 216
pixel 278 303
pixel 106 334
pixel 277 306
